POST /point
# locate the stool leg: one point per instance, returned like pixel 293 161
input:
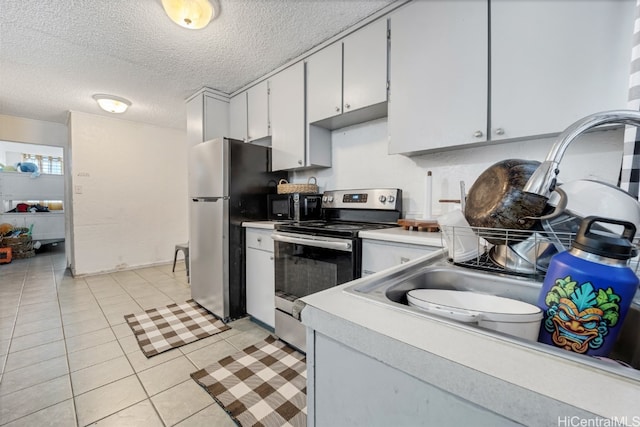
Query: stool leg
pixel 186 261
pixel 175 257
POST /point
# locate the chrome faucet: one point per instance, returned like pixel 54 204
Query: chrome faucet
pixel 543 179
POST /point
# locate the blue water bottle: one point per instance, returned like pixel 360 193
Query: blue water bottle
pixel 588 289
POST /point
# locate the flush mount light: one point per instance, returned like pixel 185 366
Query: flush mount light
pixel 192 14
pixel 111 103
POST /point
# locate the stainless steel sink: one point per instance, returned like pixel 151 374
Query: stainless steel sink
pixel 435 272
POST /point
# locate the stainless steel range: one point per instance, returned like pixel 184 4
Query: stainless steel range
pixel 312 256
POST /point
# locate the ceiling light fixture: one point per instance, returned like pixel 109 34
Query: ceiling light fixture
pixel 112 104
pixel 192 14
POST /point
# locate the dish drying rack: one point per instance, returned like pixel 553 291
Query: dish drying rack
pixel 470 247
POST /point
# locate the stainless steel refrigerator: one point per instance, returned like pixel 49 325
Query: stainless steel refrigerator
pixel 228 183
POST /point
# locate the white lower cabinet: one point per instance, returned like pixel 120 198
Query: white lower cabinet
pixel 260 276
pixel 378 255
pixel 349 387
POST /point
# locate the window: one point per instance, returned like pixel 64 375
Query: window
pixel 46 164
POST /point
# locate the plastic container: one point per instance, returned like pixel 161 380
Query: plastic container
pixel 492 312
pixel 462 243
pixel 588 290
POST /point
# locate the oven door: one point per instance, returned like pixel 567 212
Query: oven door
pixel 304 265
pixel 308 264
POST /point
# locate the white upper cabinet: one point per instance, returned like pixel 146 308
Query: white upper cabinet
pixel 294 143
pixel 365 67
pixel 207 116
pixel 347 81
pixel 324 83
pixel 438 75
pixel 258 111
pixel 238 117
pixel 554 62
pixel 287 118
pixel 551 63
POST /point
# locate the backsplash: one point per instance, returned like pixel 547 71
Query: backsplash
pixel 360 160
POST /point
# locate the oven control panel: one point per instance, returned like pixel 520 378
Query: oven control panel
pixel 378 198
pixel 355 198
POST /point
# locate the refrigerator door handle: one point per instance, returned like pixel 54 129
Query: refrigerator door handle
pixel 210 199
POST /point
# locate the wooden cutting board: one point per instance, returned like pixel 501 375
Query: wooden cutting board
pixel 419 224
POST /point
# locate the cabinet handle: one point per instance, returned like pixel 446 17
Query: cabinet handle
pixel 259 239
pixel 478 134
pixel 347 106
pixel 499 131
pixel 271 257
pixel 299 162
pixel 337 109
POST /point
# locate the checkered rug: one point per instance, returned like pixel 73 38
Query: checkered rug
pixel 263 385
pixel 161 329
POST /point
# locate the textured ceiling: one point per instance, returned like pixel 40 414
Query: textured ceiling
pixel 55 54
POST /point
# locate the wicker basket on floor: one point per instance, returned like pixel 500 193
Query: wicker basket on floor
pixel 21 246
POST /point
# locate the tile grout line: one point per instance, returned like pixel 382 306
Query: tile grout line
pixel 68 374
pixel 110 326
pixel 119 281
pixel 135 372
pixel 13 327
pixel 153 405
pixel 66 350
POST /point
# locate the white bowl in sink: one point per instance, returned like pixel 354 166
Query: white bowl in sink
pixel 500 314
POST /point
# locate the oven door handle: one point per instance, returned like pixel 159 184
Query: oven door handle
pixel 326 244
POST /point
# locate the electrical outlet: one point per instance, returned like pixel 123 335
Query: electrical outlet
pixel 77 189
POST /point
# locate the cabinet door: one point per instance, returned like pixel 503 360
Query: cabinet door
pixel 324 83
pixel 238 117
pixel 554 62
pixel 207 118
pixel 365 67
pixel 258 111
pixel 261 286
pixel 195 121
pixel 287 118
pixel 439 75
pixel 216 118
pixel 378 256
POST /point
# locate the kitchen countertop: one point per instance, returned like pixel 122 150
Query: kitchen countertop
pixel 522 383
pixel 400 235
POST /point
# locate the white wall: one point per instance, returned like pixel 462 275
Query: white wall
pixel 129 184
pixel 360 160
pixel 29 131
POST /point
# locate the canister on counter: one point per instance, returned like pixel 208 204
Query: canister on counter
pixel 588 289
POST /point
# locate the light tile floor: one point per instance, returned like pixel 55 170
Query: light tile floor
pixel 68 358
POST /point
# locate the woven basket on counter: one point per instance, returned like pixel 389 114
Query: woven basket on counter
pixel 285 188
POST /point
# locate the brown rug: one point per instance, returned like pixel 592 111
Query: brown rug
pixel 161 329
pixel 263 385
